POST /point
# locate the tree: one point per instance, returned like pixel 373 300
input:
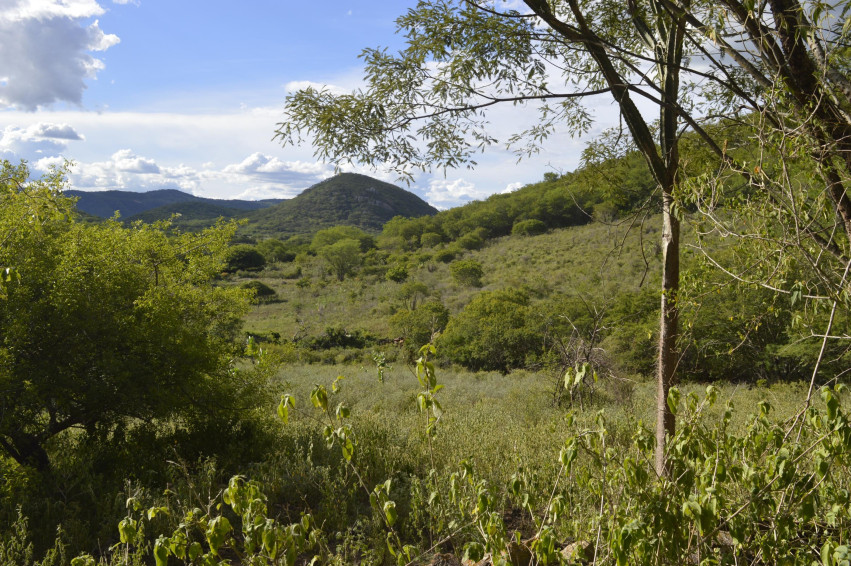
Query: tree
pixel 273 250
pixel 244 257
pixel 334 234
pixel 467 272
pixel 342 256
pixel 492 332
pixel 425 106
pixel 420 325
pixel 104 324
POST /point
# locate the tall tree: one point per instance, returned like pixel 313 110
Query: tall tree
pixel 103 324
pixel 426 106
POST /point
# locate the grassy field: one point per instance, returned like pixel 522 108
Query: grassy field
pixel 502 421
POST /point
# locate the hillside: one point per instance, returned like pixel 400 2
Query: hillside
pixel 200 212
pixel 105 203
pixel 347 198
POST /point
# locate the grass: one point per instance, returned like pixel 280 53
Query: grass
pixel 503 421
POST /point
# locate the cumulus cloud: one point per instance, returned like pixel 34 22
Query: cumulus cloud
pixel 271 169
pixel 128 162
pixel 444 193
pixel 258 176
pixel 45 50
pixel 36 140
pixel 126 171
pixel 511 187
pixel 21 10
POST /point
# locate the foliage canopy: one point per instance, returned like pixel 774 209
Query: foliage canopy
pixel 102 324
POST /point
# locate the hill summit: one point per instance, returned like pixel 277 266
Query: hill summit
pixel 346 198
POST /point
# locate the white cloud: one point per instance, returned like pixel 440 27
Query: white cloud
pixel 45 50
pixel 36 140
pixel 128 162
pixel 511 187
pixel 445 193
pixel 21 10
pixel 57 131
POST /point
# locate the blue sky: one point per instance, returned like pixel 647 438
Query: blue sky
pixel 151 94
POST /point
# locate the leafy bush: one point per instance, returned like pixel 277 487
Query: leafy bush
pixel 531 227
pixel 419 325
pixel 445 255
pixel 430 239
pixel 342 256
pixel 493 332
pixel 411 292
pixel 275 250
pixel 339 337
pixel 106 322
pixel 244 257
pixel 467 272
pixel 471 241
pixel 261 290
pixel 330 236
pixel 397 273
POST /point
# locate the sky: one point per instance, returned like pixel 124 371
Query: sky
pixel 164 94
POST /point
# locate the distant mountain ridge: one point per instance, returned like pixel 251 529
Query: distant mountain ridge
pixel 105 203
pixel 346 198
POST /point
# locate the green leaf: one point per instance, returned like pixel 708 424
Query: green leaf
pixel 342 411
pixel 319 397
pixel 673 399
pixel 127 531
pixel 390 512
pixel 284 408
pixel 161 551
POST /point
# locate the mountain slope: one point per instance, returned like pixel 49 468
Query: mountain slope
pixel 347 198
pixel 128 203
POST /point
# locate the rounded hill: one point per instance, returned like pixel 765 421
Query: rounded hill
pixel 346 198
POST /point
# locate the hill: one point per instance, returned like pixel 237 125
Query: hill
pixel 105 203
pixel 347 198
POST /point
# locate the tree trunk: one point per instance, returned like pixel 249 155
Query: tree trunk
pixel 668 329
pixel 26 450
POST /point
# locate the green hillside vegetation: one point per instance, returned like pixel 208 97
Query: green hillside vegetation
pixel 105 203
pixel 586 293
pixel 347 198
pixel 190 213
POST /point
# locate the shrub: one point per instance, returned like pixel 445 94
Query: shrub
pixel 275 251
pixel 467 272
pixel 244 257
pixel 420 324
pixel 261 290
pixel 492 332
pixel 330 236
pixel 531 227
pixel 445 255
pixel 397 273
pixel 411 292
pixel 430 239
pixel 471 241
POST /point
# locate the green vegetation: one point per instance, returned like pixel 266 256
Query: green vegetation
pixel 467 272
pixel 244 257
pixel 144 419
pixel 347 198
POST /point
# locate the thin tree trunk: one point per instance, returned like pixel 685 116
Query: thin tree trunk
pixel 668 330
